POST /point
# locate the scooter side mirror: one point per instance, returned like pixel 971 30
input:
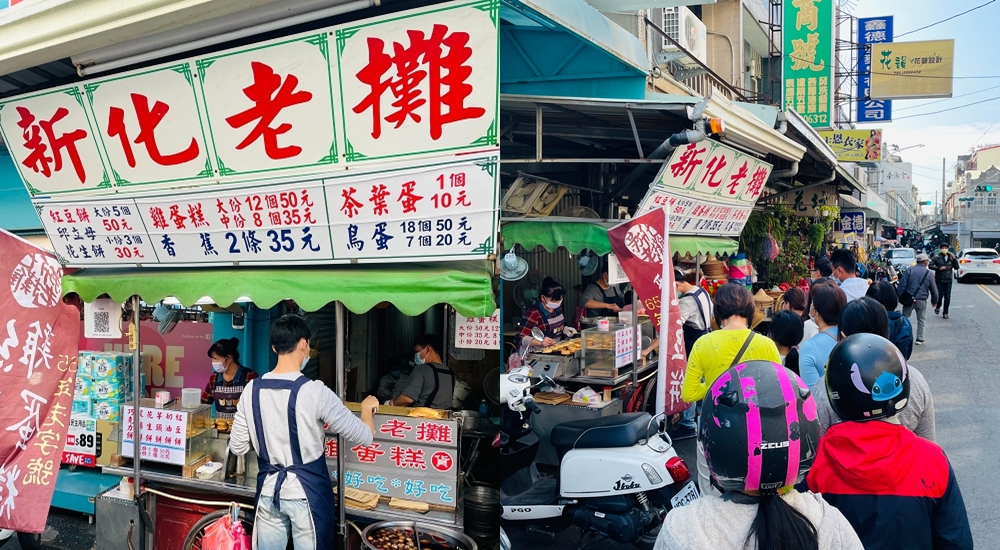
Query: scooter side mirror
pixel 537 334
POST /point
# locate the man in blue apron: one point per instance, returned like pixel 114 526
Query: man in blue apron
pixel 283 421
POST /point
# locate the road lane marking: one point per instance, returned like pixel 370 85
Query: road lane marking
pixel 992 295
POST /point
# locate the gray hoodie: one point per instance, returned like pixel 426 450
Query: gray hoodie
pixel 711 523
pixel 910 282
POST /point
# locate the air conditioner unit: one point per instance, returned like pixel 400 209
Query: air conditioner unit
pixel 687 30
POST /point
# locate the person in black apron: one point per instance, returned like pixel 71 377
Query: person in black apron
pixel 288 413
pixel 431 384
pixel 601 298
pixel 696 307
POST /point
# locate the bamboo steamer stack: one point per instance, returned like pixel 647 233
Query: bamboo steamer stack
pixel 714 269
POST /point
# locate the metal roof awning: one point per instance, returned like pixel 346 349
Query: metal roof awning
pixel 412 288
pixel 575 236
pixel 625 131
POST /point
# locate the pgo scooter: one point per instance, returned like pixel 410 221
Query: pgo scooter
pixel 618 476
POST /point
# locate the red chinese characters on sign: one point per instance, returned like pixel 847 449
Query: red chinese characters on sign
pixel 47 144
pixel 148 119
pixel 431 71
pixel 408 457
pixel 434 432
pixel 270 94
pixel 442 461
pixel 368 453
pixel 688 163
pixel 395 428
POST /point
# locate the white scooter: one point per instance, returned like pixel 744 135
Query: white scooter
pixel 618 477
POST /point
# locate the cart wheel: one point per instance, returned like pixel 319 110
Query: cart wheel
pixel 30 541
pixel 648 405
pixel 193 539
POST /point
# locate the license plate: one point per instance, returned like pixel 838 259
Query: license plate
pixel 686 496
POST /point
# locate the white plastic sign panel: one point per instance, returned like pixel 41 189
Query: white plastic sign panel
pixel 149 126
pixel 163 432
pixel 624 347
pixel 413 84
pixel 478 332
pixel 253 224
pixel 421 83
pixel 81 442
pixel 616 275
pixel 443 211
pixel 97 233
pixel 270 106
pixel 52 143
pixel 102 318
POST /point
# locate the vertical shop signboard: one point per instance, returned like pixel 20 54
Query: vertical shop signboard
pixel 808 59
pixel 38 361
pixel 871 30
pixel 478 332
pixel 852 222
pixel 410 458
pixel 164 434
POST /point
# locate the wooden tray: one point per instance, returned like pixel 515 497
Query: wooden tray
pixel 550 398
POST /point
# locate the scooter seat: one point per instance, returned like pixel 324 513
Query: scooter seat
pixel 623 430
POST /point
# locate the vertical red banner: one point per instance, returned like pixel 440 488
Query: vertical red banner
pixel 38 350
pixel 643 249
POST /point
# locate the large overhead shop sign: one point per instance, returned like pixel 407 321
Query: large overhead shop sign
pixel 370 141
pixel 871 32
pixel 807 49
pixel 913 70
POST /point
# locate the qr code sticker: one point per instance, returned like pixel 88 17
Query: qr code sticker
pixel 102 322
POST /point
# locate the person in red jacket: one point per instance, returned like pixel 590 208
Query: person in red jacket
pixel 896 489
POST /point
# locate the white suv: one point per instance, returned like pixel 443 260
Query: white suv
pixel 979 262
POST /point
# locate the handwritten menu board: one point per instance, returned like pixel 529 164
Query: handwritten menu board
pixel 478 332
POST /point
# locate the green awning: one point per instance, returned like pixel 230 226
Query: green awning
pixel 412 288
pixel 575 236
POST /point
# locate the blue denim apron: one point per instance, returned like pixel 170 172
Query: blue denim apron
pixel 314 476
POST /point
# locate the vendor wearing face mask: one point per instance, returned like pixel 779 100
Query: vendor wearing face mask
pixel 431 383
pixel 229 377
pixel 547 316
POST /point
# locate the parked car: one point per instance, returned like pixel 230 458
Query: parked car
pixel 901 257
pixel 979 263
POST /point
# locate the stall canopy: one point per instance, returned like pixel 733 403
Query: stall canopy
pixel 575 236
pixel 412 288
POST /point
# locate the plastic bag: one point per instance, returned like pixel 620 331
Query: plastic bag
pixel 223 534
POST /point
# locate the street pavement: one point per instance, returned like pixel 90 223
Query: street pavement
pixel 959 362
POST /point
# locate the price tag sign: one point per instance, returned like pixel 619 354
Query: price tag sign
pixel 81 442
pixel 163 431
pixel 478 332
pixel 623 347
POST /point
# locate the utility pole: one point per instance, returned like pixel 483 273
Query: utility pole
pixel 942 189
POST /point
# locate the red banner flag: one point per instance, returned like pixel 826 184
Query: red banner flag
pixel 643 249
pixel 38 350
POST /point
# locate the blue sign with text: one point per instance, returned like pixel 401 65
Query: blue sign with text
pixel 871 30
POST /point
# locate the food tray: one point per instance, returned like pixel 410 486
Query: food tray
pixel 428 537
pixel 568 347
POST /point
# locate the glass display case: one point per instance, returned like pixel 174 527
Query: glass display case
pixel 172 434
pixel 600 349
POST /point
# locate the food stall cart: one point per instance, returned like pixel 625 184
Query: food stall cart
pixel 320 194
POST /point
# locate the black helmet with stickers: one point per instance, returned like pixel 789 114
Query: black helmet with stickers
pixel 867 378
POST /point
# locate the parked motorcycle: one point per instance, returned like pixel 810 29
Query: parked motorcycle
pixel 618 477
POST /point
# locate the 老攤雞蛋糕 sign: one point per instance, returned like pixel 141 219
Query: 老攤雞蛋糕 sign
pixel 477 332
pixel 412 89
pixel 410 458
pixel 163 431
pixel 708 189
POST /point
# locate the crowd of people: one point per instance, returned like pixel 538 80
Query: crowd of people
pixel 818 435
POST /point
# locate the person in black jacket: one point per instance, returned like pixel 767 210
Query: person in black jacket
pixel 900 329
pixel 944 264
pixel 896 489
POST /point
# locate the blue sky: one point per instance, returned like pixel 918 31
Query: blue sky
pixel 945 135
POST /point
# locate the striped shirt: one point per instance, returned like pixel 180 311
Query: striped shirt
pixel 551 324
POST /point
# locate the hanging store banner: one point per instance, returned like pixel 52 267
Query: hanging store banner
pixel 808 59
pixel 38 359
pixel 852 222
pixel 855 145
pixel 389 89
pixel 913 70
pixel 643 249
pixel 872 30
pixel 897 176
pixel 434 212
pixel 410 458
pixel 709 189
